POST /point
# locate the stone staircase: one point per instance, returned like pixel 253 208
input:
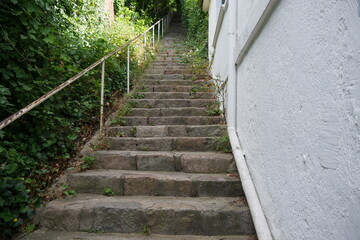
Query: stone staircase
pixel 162 166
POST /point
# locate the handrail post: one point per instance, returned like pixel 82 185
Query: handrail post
pixel 145 46
pixel 102 99
pixel 153 36
pixel 128 69
pixel 162 26
pixel 159 31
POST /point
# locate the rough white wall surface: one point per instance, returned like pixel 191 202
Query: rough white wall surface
pixel 220 62
pixel 298 119
pixel 214 9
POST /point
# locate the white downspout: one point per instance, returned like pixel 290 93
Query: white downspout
pixel 231 84
pixel 260 223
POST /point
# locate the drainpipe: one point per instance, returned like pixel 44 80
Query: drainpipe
pixel 260 223
pixel 231 84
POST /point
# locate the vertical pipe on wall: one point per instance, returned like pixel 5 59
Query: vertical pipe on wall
pixel 231 85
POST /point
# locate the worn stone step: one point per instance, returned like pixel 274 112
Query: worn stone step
pixel 174 88
pixel 155 112
pixel 190 162
pixel 45 234
pixel 174 50
pixel 170 61
pixel 165 53
pixel 168 131
pixel 166 58
pixel 169 65
pixel 169 120
pixel 169 71
pixel 193 144
pixel 160 63
pixel 161 215
pixel 173 76
pixel 166 103
pixel 178 82
pixel 150 183
pixel 178 95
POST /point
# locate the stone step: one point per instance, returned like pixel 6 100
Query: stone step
pixel 171 66
pixel 155 112
pixel 156 63
pixel 178 95
pixel 178 82
pixel 45 234
pixel 174 88
pixel 169 71
pixel 166 54
pixel 190 162
pixel 174 50
pixel 150 183
pixel 168 131
pixel 173 76
pixel 166 103
pixel 171 58
pixel 160 215
pixel 192 144
pixel 169 120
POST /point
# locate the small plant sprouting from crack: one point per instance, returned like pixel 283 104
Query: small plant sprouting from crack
pixel 120 134
pixel 120 121
pixel 214 109
pixel 67 191
pixel 146 231
pixel 133 131
pixel 138 95
pixel 108 192
pixel 222 144
pixel 87 162
pixel 144 148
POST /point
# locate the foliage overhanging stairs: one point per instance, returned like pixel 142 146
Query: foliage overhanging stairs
pixel 161 166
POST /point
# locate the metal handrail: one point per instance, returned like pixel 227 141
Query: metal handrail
pixel 163 21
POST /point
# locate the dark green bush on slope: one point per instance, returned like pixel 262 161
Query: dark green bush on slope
pixel 196 23
pixel 43 43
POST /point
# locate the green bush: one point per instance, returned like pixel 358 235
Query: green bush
pixel 43 43
pixel 196 23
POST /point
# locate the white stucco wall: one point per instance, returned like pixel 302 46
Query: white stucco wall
pixel 298 118
pixel 213 11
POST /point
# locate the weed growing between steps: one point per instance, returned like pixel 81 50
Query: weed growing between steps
pixel 67 191
pixel 87 162
pixel 222 144
pixel 214 110
pixel 108 192
pixel 146 231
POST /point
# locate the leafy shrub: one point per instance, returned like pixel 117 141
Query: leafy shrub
pixel 43 43
pixel 196 23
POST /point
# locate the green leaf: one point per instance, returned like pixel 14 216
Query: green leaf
pixel 50 39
